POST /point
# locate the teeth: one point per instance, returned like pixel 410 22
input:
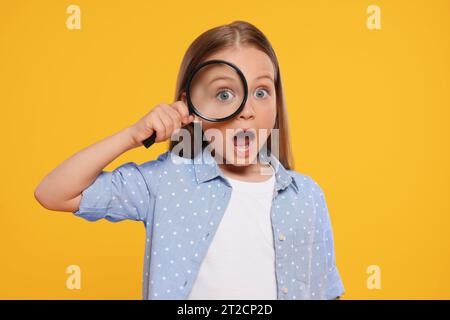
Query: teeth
pixel 243 148
pixel 242 138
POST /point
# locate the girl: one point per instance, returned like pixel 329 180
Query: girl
pixel 219 225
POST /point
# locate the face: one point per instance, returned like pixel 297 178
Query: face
pixel 238 140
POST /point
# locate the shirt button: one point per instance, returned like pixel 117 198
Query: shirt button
pixel 281 237
pixel 285 290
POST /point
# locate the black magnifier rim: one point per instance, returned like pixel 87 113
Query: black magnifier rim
pixel 188 87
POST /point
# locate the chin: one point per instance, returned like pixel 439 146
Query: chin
pixel 241 162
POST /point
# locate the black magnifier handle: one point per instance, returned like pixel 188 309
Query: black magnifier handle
pixel 150 140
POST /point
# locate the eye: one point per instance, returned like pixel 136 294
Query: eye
pixel 261 93
pixel 225 94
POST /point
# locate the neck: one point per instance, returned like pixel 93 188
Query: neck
pixel 252 172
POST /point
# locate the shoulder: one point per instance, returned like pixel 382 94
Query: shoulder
pixel 306 184
pixel 157 163
pixel 167 164
pixel 149 170
pixel 313 196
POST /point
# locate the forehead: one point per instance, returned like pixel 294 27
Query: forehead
pixel 251 61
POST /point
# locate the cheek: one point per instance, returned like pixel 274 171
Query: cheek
pixel 214 132
pixel 267 115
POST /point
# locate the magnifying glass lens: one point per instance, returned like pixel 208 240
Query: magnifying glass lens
pixel 216 91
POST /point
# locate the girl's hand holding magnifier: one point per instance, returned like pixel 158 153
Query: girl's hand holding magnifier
pixel 163 120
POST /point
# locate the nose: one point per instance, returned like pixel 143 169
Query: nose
pixel 248 112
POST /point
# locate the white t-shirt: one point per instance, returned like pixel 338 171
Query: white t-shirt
pixel 240 262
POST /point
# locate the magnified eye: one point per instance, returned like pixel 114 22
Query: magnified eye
pixel 261 93
pixel 225 95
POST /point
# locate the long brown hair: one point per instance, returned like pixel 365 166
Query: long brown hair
pixel 226 36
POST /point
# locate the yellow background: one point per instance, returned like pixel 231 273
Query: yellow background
pixel 368 109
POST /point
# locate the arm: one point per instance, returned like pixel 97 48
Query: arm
pixel 61 189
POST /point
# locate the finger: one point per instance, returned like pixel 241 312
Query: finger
pixel 168 123
pixel 158 127
pixel 175 118
pixel 183 110
pixel 175 115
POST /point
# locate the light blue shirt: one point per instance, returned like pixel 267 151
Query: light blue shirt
pixel 181 202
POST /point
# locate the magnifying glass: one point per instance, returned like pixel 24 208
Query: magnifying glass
pixel 216 90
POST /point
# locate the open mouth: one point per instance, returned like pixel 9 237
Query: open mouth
pixel 243 140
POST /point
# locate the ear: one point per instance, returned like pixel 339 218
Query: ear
pixel 183 97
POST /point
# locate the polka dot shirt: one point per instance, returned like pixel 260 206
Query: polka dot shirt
pixel 181 202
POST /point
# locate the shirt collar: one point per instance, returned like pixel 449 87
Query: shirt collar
pixel 206 168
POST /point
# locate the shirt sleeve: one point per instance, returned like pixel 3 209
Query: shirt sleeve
pixel 333 286
pixel 122 194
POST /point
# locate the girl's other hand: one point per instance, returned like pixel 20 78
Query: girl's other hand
pixel 164 119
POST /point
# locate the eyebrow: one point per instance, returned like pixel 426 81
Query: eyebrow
pixel 221 78
pixel 268 76
pixel 264 76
